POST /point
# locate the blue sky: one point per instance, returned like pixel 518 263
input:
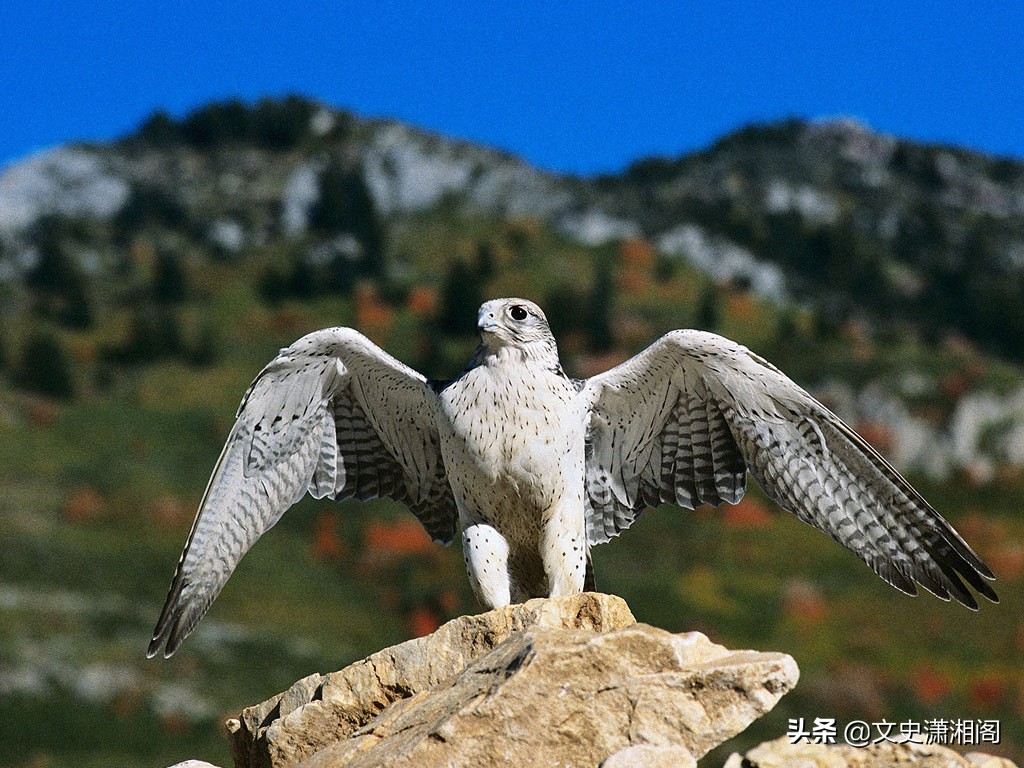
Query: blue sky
pixel 570 86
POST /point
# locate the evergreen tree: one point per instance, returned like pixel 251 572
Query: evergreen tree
pixel 45 366
pixel 61 292
pixel 708 309
pixel 598 308
pixel 345 206
pixel 461 297
pixel 160 130
pixel 154 334
pixel 485 260
pixel 562 307
pixel 170 284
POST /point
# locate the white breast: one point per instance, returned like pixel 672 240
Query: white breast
pixel 515 426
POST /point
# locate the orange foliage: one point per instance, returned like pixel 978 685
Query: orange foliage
pixel 84 505
pixel 632 330
pixel 42 413
pixel 747 514
pixel 174 722
pixel 859 339
pixel 636 258
pixel 288 321
pixel 423 621
pixel 982 531
pixel 141 252
pixel 1007 560
pixel 879 435
pixel 83 352
pixel 169 512
pixel 987 691
pixel 127 704
pixel 633 282
pixel 741 306
pixel 449 601
pixel 326 543
pixel 591 365
pixel 371 312
pixel 930 686
pixel 402 538
pixel 803 604
pixel 636 254
pixel 956 385
pixel 423 301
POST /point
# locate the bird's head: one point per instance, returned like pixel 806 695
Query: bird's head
pixel 515 324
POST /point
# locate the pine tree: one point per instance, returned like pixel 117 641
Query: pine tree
pixel 599 307
pixel 461 297
pixel 45 366
pixel 345 206
pixel 708 310
pixel 61 292
pixel 170 284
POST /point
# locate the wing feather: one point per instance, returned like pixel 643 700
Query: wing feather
pixel 332 415
pixel 722 411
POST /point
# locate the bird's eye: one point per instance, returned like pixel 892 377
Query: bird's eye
pixel 517 313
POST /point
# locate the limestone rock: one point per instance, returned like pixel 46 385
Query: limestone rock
pixel 981 760
pixel 781 754
pixel 321 709
pixel 650 756
pixel 564 681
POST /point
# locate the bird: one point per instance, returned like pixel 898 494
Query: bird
pixel 536 468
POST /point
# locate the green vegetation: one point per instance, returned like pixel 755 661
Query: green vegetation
pixel 120 383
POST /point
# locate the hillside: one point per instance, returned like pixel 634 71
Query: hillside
pixel 143 284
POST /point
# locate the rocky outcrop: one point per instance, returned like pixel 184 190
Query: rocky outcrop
pixel 561 681
pixel 781 754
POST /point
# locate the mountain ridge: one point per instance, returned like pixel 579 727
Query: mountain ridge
pixel 799 209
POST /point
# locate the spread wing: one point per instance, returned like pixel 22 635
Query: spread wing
pixel 332 414
pixel 687 418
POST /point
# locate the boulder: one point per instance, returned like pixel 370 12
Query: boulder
pixel 781 754
pixel 560 681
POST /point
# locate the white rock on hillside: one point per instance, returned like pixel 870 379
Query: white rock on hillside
pixel 69 181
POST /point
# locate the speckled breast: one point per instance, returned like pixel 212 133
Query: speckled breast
pixel 511 435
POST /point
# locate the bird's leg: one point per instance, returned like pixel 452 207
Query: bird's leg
pixel 564 550
pixel 486 553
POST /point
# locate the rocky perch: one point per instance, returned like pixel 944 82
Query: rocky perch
pixel 571 681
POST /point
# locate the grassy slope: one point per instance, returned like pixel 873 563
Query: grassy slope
pixel 80 591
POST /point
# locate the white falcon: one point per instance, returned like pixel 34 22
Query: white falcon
pixel 538 467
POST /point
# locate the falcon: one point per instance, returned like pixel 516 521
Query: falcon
pixel 537 467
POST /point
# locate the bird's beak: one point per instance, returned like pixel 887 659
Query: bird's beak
pixel 486 323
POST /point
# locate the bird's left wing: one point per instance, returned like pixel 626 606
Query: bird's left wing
pixel 334 415
pixel 684 420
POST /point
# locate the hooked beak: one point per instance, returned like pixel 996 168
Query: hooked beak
pixel 486 322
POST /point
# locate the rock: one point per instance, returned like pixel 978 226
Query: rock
pixel 650 756
pixel 321 709
pixel 561 681
pixel 981 760
pixel 781 754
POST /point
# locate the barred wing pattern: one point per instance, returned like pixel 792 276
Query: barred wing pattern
pixel 683 422
pixel 333 415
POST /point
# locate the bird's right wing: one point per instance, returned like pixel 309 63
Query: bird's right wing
pixel 334 415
